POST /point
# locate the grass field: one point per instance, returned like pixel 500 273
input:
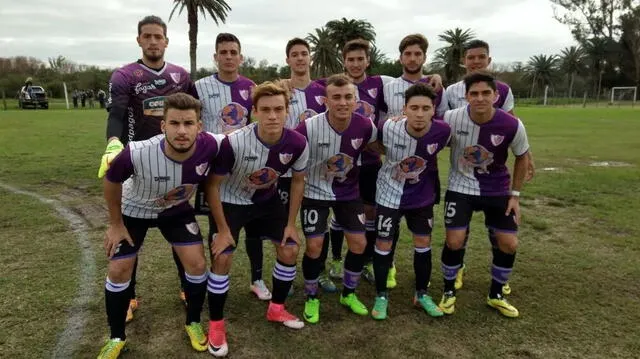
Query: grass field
pixel 575 280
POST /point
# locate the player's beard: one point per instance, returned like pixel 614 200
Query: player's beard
pixel 154 58
pixel 412 72
pixel 180 150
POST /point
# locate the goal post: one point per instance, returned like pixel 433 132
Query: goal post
pixel 629 89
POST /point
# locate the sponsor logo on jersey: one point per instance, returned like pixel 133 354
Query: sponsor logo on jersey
pixel 262 178
pixel 177 196
pixel 356 143
pixel 285 157
pixel 365 109
pixel 175 76
pixel 338 166
pixel 401 94
pixel 432 148
pixel 214 95
pixel 324 144
pixel 161 178
pixel 399 146
pixel 153 106
pixel 233 116
pixel 160 82
pixel 244 94
pixel 410 169
pixel 306 114
pixel 143 88
pixel 193 228
pixel 250 158
pixel 477 156
pixel 138 73
pixel 462 133
pixel 202 169
pixel 496 140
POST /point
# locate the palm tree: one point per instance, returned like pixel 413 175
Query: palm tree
pixel 217 9
pixel 376 57
pixel 324 55
pixel 541 69
pixel 449 57
pixel 343 30
pixel 572 63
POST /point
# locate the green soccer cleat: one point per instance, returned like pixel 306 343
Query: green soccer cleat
pixel 391 277
pixel 112 349
pixel 460 277
pixel 335 269
pixel 312 310
pixel 352 302
pixel 196 336
pixel 427 304
pixel 326 283
pixel 379 311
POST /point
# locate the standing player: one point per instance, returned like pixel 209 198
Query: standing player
pixel 135 105
pixel 407 187
pixel 226 106
pixel 149 185
pixel 253 158
pixel 336 139
pixel 479 180
pixel 413 55
pixel 476 58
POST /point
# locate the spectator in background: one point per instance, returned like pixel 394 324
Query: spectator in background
pixel 90 96
pixel 83 97
pixel 102 96
pixel 75 96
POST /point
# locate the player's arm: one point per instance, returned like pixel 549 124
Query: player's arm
pixel 222 167
pixel 120 171
pixel 298 170
pixel 117 107
pixel 378 145
pixel 435 81
pixel 520 148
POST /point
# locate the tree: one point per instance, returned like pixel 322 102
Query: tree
pixel 324 54
pixel 217 10
pixel 344 30
pixel 541 69
pixel 572 63
pixel 376 57
pixel 630 41
pixel 449 57
pixel 591 18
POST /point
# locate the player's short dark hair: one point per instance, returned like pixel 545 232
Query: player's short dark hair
pixel 353 45
pixel 297 41
pixel 339 80
pixel 269 88
pixel 419 89
pixel 476 44
pixel 227 37
pixel 152 20
pixel 477 77
pixel 182 101
pixel 414 39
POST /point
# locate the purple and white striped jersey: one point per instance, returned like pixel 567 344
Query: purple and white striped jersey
pixel 141 90
pixel 305 103
pixel 332 173
pixel 254 167
pixel 409 172
pixel 156 186
pixel 479 152
pixel 226 106
pixel 369 103
pixel 394 95
pixel 454 97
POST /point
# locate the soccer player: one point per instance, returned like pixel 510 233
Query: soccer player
pixel 413 55
pixel 479 180
pixel 242 193
pixel 476 58
pixel 135 106
pixel 336 140
pixel 149 184
pixel 406 186
pixel 226 106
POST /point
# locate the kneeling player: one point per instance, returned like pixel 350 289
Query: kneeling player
pixel 479 180
pixel 336 139
pixel 160 175
pixel 406 187
pixel 254 157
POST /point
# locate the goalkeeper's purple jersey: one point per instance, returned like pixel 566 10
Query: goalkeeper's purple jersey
pixel 141 91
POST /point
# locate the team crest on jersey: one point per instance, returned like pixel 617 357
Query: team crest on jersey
pixel 338 166
pixel 175 76
pixel 477 156
pixel 430 221
pixel 365 109
pixel 244 94
pixel 497 98
pixel 193 228
pixel 496 140
pixel 177 196
pixel 356 143
pixel 373 92
pixel 233 116
pixel 410 169
pixel 306 114
pixel 285 157
pixel 202 169
pixel 432 148
pixel 262 178
pixel 138 73
pixel 320 100
pixel 361 217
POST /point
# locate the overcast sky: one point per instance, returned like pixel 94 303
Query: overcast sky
pixel 103 32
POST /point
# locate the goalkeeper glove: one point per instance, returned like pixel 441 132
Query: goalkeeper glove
pixel 113 148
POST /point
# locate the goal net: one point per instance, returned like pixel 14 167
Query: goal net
pixel 623 96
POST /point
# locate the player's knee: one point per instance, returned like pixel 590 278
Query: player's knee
pixel 119 271
pixel 222 263
pixel 314 247
pixel 357 243
pixel 422 241
pixel 288 254
pixel 507 244
pixel 455 241
pixel 384 245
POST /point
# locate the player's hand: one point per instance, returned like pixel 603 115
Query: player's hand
pixel 435 81
pixel 513 206
pixel 112 238
pixel 531 170
pixel 290 232
pixel 396 118
pixel 113 148
pixel 221 241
